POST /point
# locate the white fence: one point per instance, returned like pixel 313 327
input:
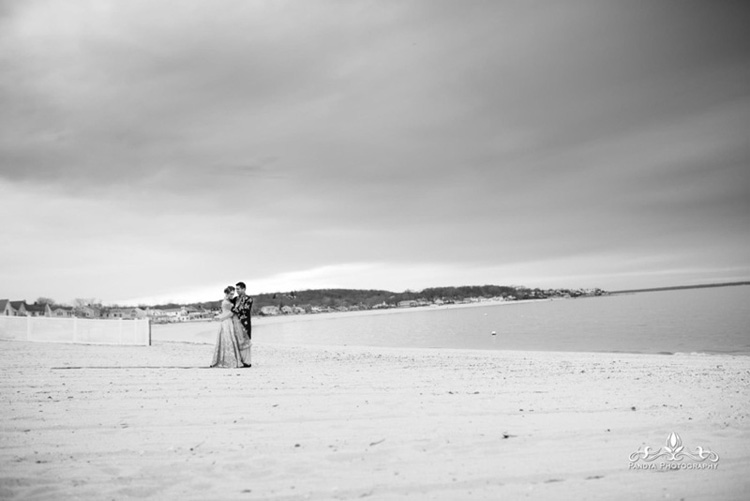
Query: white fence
pixel 76 330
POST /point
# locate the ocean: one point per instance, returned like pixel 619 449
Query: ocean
pixel 707 320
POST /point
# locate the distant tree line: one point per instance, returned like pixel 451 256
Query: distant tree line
pixel 365 299
pixel 327 298
pixel 370 298
pixel 467 291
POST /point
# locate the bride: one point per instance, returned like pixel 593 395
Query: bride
pixel 232 344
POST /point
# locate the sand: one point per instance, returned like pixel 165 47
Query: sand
pixel 103 422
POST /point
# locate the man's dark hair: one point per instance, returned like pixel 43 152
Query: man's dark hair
pixel 241 285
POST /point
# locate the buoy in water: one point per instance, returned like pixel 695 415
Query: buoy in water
pixel 494 333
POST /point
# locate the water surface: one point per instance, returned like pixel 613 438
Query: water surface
pixel 711 320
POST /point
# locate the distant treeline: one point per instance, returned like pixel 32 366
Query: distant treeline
pixel 369 298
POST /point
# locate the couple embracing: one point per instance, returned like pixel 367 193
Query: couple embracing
pixel 233 342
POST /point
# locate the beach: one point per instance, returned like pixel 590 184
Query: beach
pixel 332 422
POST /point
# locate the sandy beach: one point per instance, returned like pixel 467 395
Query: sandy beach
pixel 313 422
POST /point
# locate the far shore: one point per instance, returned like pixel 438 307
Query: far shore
pixel 165 329
pixel 270 319
pixel 386 311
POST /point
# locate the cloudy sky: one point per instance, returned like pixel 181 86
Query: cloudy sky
pixel 159 150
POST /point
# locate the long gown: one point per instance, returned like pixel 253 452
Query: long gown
pixel 232 343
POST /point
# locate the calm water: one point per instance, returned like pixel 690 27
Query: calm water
pixel 715 320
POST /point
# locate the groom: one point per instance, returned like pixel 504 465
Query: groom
pixel 242 308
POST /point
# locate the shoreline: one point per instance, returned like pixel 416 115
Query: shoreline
pixel 386 311
pixel 263 319
pixel 320 422
pixel 469 350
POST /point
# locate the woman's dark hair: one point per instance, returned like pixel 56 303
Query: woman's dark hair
pixel 228 289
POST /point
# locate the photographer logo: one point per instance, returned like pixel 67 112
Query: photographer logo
pixel 674 456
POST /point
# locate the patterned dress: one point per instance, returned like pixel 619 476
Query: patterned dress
pixel 232 344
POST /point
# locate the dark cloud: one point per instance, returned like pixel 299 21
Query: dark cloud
pixel 472 133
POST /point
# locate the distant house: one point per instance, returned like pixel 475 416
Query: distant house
pixel 126 313
pixel 270 310
pixel 287 310
pixel 170 314
pixel 155 315
pixel 199 314
pixel 407 304
pixel 38 310
pixel 19 307
pixel 62 311
pixel 6 308
pixel 88 312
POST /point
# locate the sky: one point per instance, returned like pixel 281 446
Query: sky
pixel 156 151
